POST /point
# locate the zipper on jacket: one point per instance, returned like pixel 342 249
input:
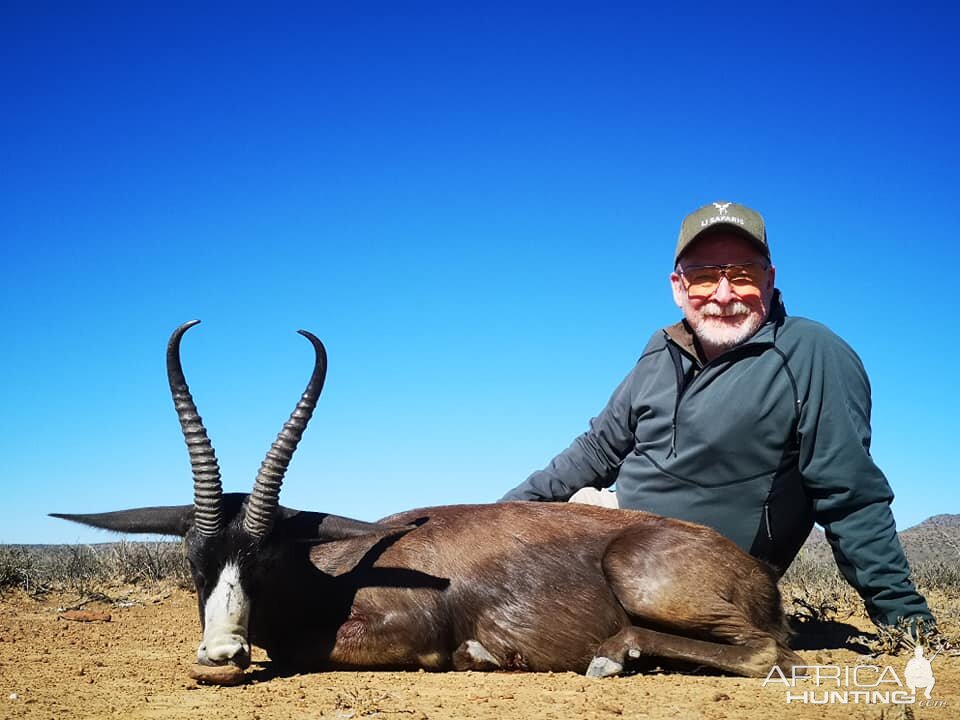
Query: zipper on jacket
pixel 766 519
pixel 682 385
pixel 678 368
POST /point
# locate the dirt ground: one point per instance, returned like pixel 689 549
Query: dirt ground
pixel 135 666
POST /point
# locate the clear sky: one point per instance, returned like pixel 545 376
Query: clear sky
pixel 475 209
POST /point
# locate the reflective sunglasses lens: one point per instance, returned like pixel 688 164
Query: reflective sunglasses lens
pixel 703 281
pixel 745 275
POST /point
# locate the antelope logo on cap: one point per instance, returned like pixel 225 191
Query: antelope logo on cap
pixel 722 217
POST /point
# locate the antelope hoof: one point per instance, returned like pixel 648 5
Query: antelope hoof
pixel 603 667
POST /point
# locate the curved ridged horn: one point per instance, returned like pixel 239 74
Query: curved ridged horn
pixel 207 488
pixel 258 519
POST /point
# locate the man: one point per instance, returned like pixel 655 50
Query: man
pixel 747 420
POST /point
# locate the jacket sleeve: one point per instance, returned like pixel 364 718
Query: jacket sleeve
pixel 593 457
pixel 850 494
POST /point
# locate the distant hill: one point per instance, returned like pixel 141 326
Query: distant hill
pixel 935 539
pixel 940 521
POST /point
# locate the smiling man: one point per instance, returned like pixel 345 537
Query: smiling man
pixel 745 419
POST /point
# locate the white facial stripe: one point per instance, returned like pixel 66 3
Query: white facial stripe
pixel 227 598
pixel 226 617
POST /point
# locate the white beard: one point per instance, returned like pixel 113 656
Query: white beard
pixel 718 335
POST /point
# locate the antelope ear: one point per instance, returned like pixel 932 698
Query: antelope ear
pixel 339 544
pixel 170 520
pixel 341 556
pixel 314 527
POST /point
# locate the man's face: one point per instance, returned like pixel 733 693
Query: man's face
pixel 730 314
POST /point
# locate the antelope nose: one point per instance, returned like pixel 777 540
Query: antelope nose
pixel 232 650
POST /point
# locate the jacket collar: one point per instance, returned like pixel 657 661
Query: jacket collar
pixel 682 334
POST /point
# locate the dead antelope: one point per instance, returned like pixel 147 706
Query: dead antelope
pixel 512 586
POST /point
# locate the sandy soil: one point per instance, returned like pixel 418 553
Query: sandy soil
pixel 136 664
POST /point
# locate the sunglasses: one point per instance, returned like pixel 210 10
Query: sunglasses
pixel 703 280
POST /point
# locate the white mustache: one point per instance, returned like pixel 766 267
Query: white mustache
pixel 734 308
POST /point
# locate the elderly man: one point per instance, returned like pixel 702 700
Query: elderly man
pixel 745 419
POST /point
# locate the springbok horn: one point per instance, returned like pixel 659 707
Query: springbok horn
pixel 258 519
pixel 207 488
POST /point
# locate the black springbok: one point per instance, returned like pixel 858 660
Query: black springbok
pixel 513 586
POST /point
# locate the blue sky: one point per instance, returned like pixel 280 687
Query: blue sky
pixel 475 209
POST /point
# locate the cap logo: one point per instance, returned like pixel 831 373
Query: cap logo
pixel 722 216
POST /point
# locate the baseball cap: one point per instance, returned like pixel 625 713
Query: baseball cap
pixel 726 216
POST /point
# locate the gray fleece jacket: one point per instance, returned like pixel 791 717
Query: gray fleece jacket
pixel 758 443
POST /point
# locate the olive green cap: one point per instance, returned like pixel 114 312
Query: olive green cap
pixel 723 216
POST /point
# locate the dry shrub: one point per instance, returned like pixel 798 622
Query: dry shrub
pixel 814 591
pixel 905 636
pixel 88 570
pixel 15 568
pixel 138 562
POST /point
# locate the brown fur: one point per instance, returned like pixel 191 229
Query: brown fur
pixel 549 586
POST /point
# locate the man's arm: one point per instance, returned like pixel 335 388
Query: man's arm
pixel 592 458
pixel 851 495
